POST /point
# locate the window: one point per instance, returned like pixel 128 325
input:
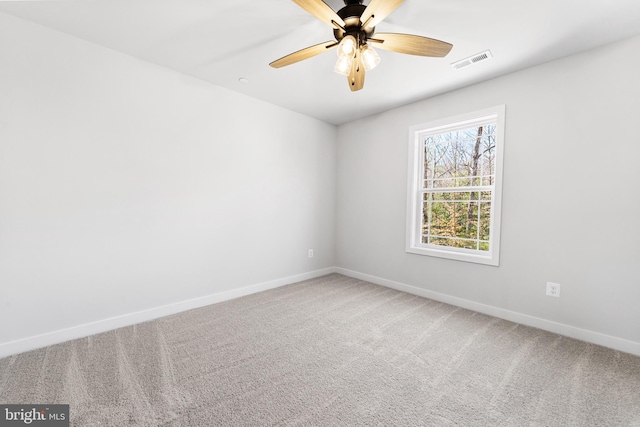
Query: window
pixel 455 182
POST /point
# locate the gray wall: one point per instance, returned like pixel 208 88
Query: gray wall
pixel 125 186
pixel 570 199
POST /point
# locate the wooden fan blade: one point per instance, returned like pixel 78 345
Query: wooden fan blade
pixel 377 10
pixel 303 54
pixel 356 76
pixel 410 44
pixel 320 10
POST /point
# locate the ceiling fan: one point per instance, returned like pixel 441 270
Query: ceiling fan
pixel 354 32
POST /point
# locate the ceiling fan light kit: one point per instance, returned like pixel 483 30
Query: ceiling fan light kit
pixel 370 57
pixel 343 65
pixel 347 47
pixel 353 27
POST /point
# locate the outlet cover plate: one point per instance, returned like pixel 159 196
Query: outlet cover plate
pixel 553 289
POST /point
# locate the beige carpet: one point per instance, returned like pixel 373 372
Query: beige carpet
pixel 332 351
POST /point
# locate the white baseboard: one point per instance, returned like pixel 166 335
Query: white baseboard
pixel 524 319
pixel 81 331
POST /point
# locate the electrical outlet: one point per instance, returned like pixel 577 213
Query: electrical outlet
pixel 553 289
pixel 310 253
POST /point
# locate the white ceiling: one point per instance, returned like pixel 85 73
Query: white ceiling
pixel 222 41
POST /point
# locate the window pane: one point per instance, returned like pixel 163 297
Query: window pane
pixel 451 219
pixel 485 220
pixel 460 158
pixel 454 159
pixel 490 129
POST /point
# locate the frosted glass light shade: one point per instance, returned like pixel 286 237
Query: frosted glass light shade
pixel 370 57
pixel 343 65
pixel 347 46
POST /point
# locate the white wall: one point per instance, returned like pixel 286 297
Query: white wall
pixel 570 201
pixel 125 187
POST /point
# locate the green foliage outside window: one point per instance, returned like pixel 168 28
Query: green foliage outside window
pixel 459 173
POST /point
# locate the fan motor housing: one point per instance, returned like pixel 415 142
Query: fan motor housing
pixel 351 14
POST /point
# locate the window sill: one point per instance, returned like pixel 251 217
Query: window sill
pixel 455 254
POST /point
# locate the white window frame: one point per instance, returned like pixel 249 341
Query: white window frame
pixel 415 185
